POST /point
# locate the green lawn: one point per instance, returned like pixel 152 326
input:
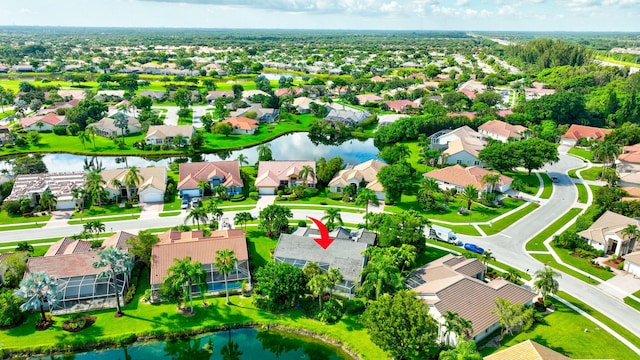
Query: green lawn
pixel 105 210
pixel 6 113
pixel 572 173
pixel 583 153
pixel 169 213
pixel 499 225
pixel 632 302
pixel 323 201
pixel 592 173
pixel 536 243
pixel 583 196
pixel 430 254
pixel 22 227
pixel 260 248
pixel 547 259
pixel 319 207
pixel 6 218
pixel 531 182
pixel 582 264
pixel 479 213
pixel 174 205
pixel 186 120
pixel 637 294
pixel 564 331
pixel 548 186
pixel 461 229
pixel 106 219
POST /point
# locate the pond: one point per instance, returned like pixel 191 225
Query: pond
pixel 296 146
pixel 276 76
pixel 226 345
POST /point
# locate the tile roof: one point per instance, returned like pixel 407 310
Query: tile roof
pixel 118 239
pixel 464 176
pixel 365 98
pixel 192 173
pixel 60 184
pixel 108 123
pixel 178 245
pixel 390 118
pixel 401 105
pixel 65 265
pixel 607 224
pixel 503 129
pixel 577 132
pixel 163 131
pixel 526 350
pixel 271 172
pixel 366 171
pixel 149 177
pixel 51 119
pixel 241 122
pixel 630 154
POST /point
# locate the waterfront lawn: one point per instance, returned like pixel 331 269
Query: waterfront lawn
pixel 564 331
pixel 591 173
pixel 583 153
pixel 548 186
pixel 531 182
pixel 6 218
pixel 507 221
pixel 537 242
pixel 583 196
pixel 105 210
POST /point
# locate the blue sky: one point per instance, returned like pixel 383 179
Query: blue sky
pixel 505 15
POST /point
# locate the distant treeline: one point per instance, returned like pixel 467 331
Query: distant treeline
pixel 546 53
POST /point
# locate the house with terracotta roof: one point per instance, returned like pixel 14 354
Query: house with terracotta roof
pixel 277 174
pixel 72 94
pixel 71 263
pixel 472 88
pixel 400 106
pixel 43 123
pixel 607 234
pixel 174 244
pixel 242 125
pixel 468 114
pixel 502 131
pixel 106 127
pixel 215 173
pixel 6 136
pixel 150 189
pixel 459 177
pixel 164 134
pixel 629 160
pixel 288 91
pixel 527 350
pixel 455 283
pixel 345 253
pixel 31 186
pixel 632 263
pixel 368 98
pixel 364 174
pixel 577 132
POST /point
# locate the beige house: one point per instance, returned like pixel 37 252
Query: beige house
pixel 150 189
pixel 455 283
pixel 365 174
pixel 461 146
pixel 106 127
pixel 164 134
pixel 607 234
pixel 502 131
pixel 527 350
pixel 632 263
pixel 31 186
pixel 459 177
pixel 215 173
pixel 275 174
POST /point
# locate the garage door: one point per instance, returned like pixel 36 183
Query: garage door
pixel 152 197
pixel 66 205
pixel 267 191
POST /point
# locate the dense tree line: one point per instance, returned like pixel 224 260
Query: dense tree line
pixel 411 128
pixel 545 53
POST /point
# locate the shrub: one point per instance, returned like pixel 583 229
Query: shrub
pixel 20 141
pixel 621 266
pixel 237 198
pixel 331 312
pixel 146 297
pixel 128 205
pixel 607 267
pixel 334 196
pixel 302 223
pixel 10 314
pixel 130 294
pixel 60 130
pixel 254 195
pixel 547 303
pixel 353 307
pixel 11 206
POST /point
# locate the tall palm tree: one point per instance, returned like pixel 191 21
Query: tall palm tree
pixel 131 179
pixel 242 218
pixel 242 159
pixel 83 137
pixel 486 257
pixel 304 174
pixel 512 275
pixel 491 180
pixel 607 152
pixel 381 276
pixel 94 185
pixel 331 216
pixel 198 215
pixel 94 227
pixel 121 121
pixel 630 231
pixel 469 194
pixel 92 131
pixel 429 186
pixel 182 275
pixel 264 152
pixel 48 200
pixel 38 288
pixel 213 209
pixel 79 196
pixel 318 285
pixel 428 156
pixel 366 196
pixel 116 262
pixel 203 186
pixel 225 261
pixel 545 281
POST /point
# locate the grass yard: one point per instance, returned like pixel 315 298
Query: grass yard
pixel 572 173
pixel 531 182
pixel 461 229
pixel 582 264
pixel 564 331
pixel 548 259
pixel 186 120
pixel 583 153
pixel 6 218
pixel 583 196
pixel 548 186
pixel 430 254
pixel 499 225
pixel 174 205
pixel 260 248
pixel 169 213
pixel 632 302
pixel 22 227
pixel 591 173
pixel 105 210
pixel 320 207
pixel 105 219
pixel 536 243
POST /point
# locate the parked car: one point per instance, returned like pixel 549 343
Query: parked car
pixel 195 202
pixel 185 203
pixel 473 247
pixel 554 179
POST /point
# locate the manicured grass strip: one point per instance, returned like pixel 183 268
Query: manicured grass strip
pixel 461 229
pixel 507 221
pixel 564 331
pixel 6 219
pixel 107 219
pixel 583 153
pixel 536 243
pixel 572 173
pixel 548 186
pixel 591 173
pixel 320 207
pixel 106 210
pixel 637 294
pixel 174 205
pixel 169 213
pixel 583 196
pixel 633 338
pixel 531 182
pixel 632 302
pixel 478 213
pixel 548 259
pixel 22 227
pixel 469 254
pixel 582 264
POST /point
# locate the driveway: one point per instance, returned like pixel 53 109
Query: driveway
pixel 171 116
pixel 198 111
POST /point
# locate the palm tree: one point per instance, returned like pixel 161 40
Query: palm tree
pixel 331 216
pixel 79 196
pixel 214 210
pixel 131 179
pixel 512 275
pixel 450 324
pixel 48 200
pixel 83 137
pixel 242 159
pixel 429 186
pixel 469 194
pixel 318 285
pixel 94 226
pixel 311 269
pixel 379 277
pixel 428 156
pixel 630 231
pixel 203 186
pixel 92 131
pixel 242 218
pixel 607 152
pixel 230 350
pixel 486 257
pixel 306 172
pixel 182 275
pixel 264 152
pixel 225 261
pixel 335 277
pixel 491 180
pixel 38 288
pixel 545 281
pixel 121 121
pixel 94 186
pixel 197 215
pixel 366 196
pixel 116 262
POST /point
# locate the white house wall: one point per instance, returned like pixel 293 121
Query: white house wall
pixel 464 158
pixel 632 268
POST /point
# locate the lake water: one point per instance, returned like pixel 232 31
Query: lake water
pixel 296 146
pixel 226 345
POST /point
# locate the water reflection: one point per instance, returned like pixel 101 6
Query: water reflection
pixel 289 147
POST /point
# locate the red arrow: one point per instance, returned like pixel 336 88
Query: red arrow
pixel 324 240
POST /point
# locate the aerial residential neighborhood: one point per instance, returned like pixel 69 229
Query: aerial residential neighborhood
pixel 334 191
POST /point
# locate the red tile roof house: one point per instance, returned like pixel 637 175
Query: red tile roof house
pixel 216 173
pixel 43 123
pixel 629 160
pixel 242 125
pixel 402 105
pixel 502 131
pixel 288 91
pixel 454 283
pixel 577 132
pixel 178 245
pixel 275 174
pixel 71 262
pixel 459 177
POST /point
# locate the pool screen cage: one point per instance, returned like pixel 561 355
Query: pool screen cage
pixel 88 292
